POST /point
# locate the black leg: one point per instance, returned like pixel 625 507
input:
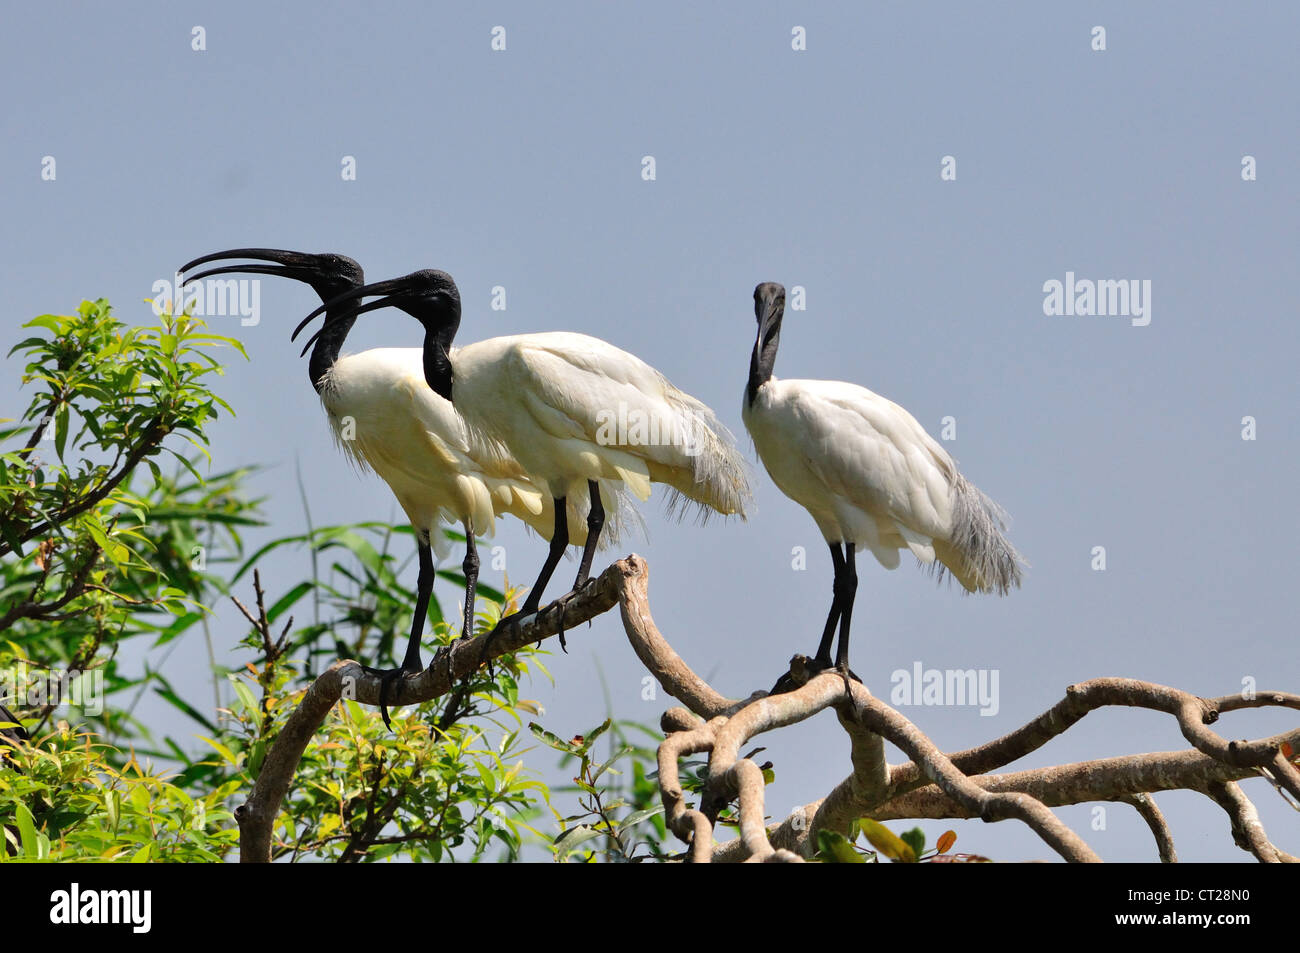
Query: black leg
pixel 850 576
pixel 823 659
pixel 843 590
pixel 411 663
pixel 559 542
pixel 470 566
pixel 595 520
pixel 424 589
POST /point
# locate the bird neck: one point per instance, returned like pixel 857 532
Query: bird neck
pixel 761 363
pixel 325 353
pixel 437 360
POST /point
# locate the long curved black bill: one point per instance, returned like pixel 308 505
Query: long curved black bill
pixel 383 302
pixel 393 288
pixel 281 256
pixel 285 271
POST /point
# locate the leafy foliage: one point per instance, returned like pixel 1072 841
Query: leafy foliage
pixel 99 545
pixel 905 848
pixel 597 831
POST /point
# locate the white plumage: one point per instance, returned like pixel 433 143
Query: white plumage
pixel 573 408
pixel 385 417
pixel 870 476
pixel 581 416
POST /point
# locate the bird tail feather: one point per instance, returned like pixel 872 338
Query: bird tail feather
pixel 978 555
pixel 712 474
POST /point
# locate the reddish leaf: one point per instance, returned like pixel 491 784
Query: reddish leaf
pixel 946 840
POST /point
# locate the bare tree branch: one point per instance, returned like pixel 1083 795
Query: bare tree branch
pixel 346 678
pixel 1146 806
pixel 930 785
pixel 1247 831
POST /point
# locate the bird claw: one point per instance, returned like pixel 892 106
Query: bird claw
pixel 387 677
pixel 803 670
pixel 443 654
pixel 562 604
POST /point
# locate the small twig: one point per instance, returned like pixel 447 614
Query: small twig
pixel 30 609
pixel 152 436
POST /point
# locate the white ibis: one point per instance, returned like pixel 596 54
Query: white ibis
pixel 572 409
pixel 870 476
pixel 383 414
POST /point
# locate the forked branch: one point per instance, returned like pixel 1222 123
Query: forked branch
pixel 931 784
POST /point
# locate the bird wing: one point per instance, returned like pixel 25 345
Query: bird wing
pixel 875 456
pixel 584 389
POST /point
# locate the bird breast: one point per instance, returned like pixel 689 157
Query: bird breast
pixel 387 419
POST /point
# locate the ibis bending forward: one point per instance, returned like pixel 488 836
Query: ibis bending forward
pixel 870 476
pixel 572 409
pixel 383 414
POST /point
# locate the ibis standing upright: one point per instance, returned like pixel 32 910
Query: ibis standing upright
pixel 870 476
pixel 383 414
pixel 572 409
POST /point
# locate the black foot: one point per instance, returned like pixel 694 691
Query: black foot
pixel 388 678
pixel 442 657
pixel 803 669
pixel 561 604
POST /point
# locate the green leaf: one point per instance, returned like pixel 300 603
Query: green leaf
pixel 112 803
pixel 287 600
pixel 552 740
pixel 626 749
pixel 636 817
pixel 251 708
pixel 836 849
pixel 27 831
pixel 60 429
pixel 256 757
pixel 571 839
pixel 51 322
pixel 915 839
pixel 590 738
pixel 230 756
pixel 886 841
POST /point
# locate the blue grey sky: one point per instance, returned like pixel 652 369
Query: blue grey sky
pixel 819 168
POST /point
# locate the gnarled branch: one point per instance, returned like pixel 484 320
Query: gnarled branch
pixel 931 784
